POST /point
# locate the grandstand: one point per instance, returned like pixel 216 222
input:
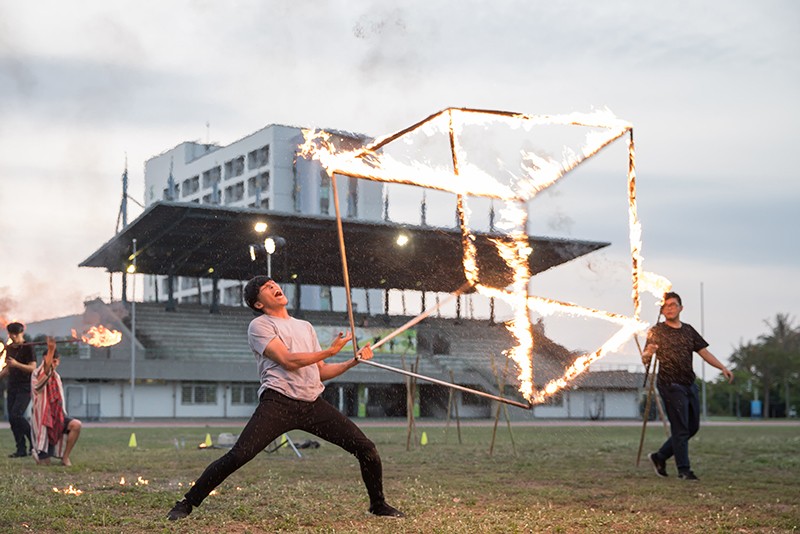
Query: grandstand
pixel 192 360
pixel 191 363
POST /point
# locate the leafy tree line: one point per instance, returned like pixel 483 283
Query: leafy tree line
pixel 766 369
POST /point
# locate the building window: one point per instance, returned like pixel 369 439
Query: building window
pixel 191 185
pixel 556 400
pixel 244 394
pixel 187 282
pixel 234 167
pixel 324 193
pixel 234 193
pixel 211 177
pixel 208 199
pixel 198 394
pixel 258 158
pixel 352 198
pixel 325 299
pixel 264 204
pixel 168 196
pixel 259 182
pixel 233 295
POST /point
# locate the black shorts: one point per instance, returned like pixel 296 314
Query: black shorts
pixel 67 421
pixel 51 449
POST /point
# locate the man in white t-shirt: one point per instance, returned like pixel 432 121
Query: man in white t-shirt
pixel 292 367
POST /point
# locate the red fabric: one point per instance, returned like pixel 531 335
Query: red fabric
pixel 54 415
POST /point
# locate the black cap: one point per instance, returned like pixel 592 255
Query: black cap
pixel 252 288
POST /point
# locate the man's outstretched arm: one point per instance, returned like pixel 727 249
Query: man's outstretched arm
pixel 713 361
pixel 332 370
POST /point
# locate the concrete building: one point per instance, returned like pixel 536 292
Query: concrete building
pixel 260 171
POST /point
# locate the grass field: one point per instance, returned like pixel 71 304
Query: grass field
pixel 562 479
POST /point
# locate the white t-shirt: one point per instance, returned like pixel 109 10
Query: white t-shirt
pixel 298 336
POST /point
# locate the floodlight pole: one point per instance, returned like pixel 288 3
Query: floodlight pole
pixel 133 335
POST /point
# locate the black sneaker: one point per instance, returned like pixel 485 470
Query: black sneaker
pixel 18 454
pixel 385 510
pixel 687 475
pixel 180 510
pixel 659 465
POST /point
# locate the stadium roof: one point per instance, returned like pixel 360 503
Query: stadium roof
pixel 194 240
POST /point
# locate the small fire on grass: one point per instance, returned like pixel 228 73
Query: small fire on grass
pixel 68 491
pixel 139 481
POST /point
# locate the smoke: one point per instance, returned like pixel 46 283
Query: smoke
pixel 36 298
pixel 7 305
pixel 561 222
pixel 12 69
pixel 389 50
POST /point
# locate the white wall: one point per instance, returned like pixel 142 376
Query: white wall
pixel 162 400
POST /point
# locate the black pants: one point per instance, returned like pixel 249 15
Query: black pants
pixel 682 404
pixel 18 401
pixel 276 414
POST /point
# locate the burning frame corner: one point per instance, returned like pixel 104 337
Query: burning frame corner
pixel 354 164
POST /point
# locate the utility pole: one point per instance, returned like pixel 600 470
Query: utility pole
pixel 133 335
pixel 123 211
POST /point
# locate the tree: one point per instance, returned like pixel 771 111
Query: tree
pixel 773 359
pixel 782 344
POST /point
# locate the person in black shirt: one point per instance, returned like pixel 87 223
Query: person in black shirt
pixel 674 343
pixel 20 363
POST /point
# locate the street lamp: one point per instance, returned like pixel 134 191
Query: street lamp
pixel 270 243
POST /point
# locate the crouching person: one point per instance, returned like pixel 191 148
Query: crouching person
pixel 54 433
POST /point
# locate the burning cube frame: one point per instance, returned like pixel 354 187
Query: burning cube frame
pixel 464 180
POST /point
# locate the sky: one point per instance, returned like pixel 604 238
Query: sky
pixel 711 89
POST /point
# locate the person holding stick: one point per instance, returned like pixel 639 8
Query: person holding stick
pixel 673 343
pixel 54 432
pixel 291 367
pixel 20 363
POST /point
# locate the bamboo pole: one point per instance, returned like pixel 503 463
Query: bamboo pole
pixel 455 405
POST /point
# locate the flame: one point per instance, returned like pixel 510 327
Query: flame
pixel 139 481
pixel 68 491
pixel 3 354
pixel 655 284
pixel 100 336
pixel 538 173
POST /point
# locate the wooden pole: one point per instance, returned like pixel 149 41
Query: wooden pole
pixel 455 405
pixel 646 416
